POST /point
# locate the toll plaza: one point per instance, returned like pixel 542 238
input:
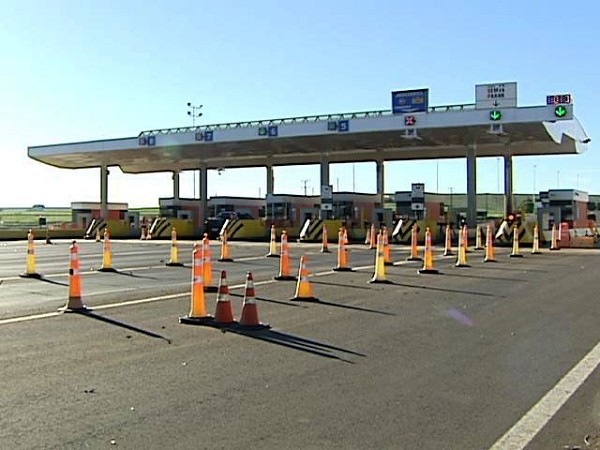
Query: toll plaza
pixel 493 126
pixel 88 216
pixel 249 207
pixel 290 212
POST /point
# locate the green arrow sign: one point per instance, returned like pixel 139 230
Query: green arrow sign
pixel 560 111
pixel 495 115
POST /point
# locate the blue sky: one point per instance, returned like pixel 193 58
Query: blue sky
pixel 83 70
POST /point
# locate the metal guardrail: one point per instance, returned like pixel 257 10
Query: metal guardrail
pixel 300 119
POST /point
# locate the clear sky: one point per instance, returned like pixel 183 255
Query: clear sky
pixel 83 70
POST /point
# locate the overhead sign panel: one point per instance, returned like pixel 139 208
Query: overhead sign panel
pixel 560 99
pixel 496 95
pixel 416 100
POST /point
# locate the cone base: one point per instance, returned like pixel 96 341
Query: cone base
pixel 536 253
pixel 554 249
pixel 66 309
pixel 478 248
pixel 285 278
pixel 490 260
pixel 48 241
pixel 448 253
pixel 374 280
pixel 37 276
pixel 343 269
pixel 259 326
pixel 174 264
pixel 107 269
pixel 462 265
pixel 429 271
pixel 513 255
pixel 414 258
pixel 305 299
pixel 211 289
pixel 207 320
pixel 272 255
pixel 225 259
pixel 326 251
pixel 388 263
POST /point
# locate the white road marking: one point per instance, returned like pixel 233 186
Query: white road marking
pixel 522 432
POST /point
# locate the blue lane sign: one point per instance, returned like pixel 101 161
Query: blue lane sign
pixel 151 140
pixel 343 125
pixel 273 132
pixel 208 135
pixel 416 100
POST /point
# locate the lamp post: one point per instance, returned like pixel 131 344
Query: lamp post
pixel 194 111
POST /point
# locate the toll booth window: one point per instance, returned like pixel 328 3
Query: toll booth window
pixel 278 210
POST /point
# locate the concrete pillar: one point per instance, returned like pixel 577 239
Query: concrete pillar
pixel 380 182
pixel 203 181
pixel 270 180
pixel 324 214
pixel 104 191
pixel 508 185
pixel 471 186
pixel 176 185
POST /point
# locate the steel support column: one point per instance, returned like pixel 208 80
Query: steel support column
pixel 508 185
pixel 176 185
pixel 203 181
pixel 324 214
pixel 380 182
pixel 270 180
pixel 471 186
pixel 104 192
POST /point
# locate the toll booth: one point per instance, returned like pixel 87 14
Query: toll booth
pixel 357 210
pixel 291 211
pixel 245 206
pixel 180 208
pixel 82 213
pixel 564 206
pixel 431 208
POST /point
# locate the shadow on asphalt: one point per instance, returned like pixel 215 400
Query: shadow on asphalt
pixel 109 320
pixel 269 300
pixel 455 291
pixel 294 342
pixel 132 275
pixel 344 285
pixel 354 308
pixel 479 277
pixel 46 280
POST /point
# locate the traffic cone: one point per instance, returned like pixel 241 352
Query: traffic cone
pixel 174 261
pixel 490 253
pixel 207 264
pixel 478 239
pixel 74 303
pixel 535 250
pixel 106 254
pixel 448 242
pixel 224 312
pixel 345 235
pixel 48 241
pixel 285 272
pixel 515 250
pixel 387 257
pixel 379 276
pixel 368 236
pixel 198 314
pixel 414 245
pixel 554 244
pixel 143 233
pixel 273 244
pixel 304 291
pixel 324 243
pixel 225 251
pixel 461 260
pixel 98 238
pixel 249 318
pixel 428 261
pixel 372 238
pixel 30 271
pixel 342 256
pixel 466 238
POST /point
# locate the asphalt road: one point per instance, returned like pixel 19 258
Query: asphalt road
pixel 448 361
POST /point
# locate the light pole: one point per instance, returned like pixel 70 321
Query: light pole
pixel 194 111
pixel 534 193
pixel 558 179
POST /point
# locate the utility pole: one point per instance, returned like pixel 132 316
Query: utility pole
pixel 304 182
pixel 194 111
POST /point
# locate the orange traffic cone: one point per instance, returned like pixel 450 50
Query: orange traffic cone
pixel 478 239
pixel 387 257
pixel 285 273
pixel 98 238
pixel 106 254
pixel 273 244
pixel 342 256
pixel 249 317
pixel 379 276
pixel 198 314
pixel 515 250
pixel 535 250
pixel 428 261
pixel 466 238
pixel 414 245
pixel 554 244
pixel 304 290
pixel 74 303
pixel 225 251
pixel 345 235
pixel 372 238
pixel 448 242
pixel 30 268
pixel 174 261
pixel 143 233
pixel 207 264
pixel 324 243
pixel 224 312
pixel 490 252
pixel 461 260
